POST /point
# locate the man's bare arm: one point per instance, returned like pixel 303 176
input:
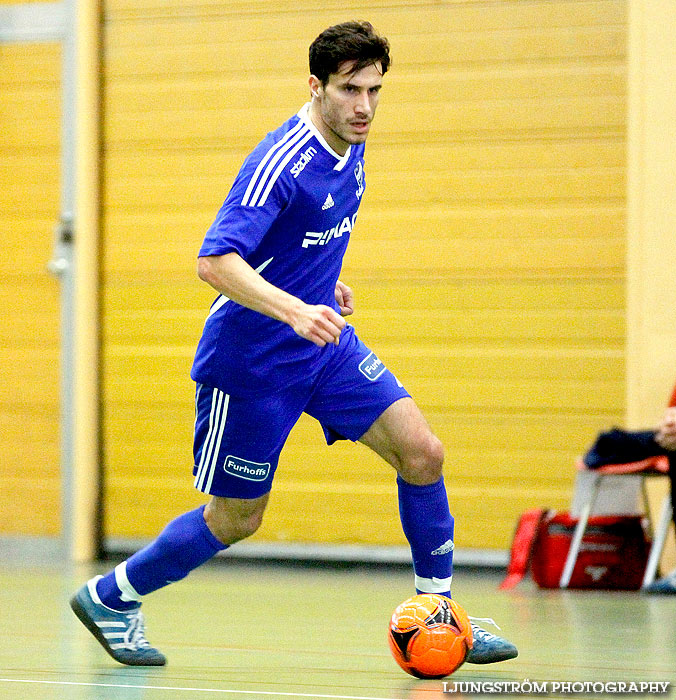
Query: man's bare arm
pixel 233 277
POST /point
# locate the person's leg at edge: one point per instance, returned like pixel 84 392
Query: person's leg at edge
pixel 402 437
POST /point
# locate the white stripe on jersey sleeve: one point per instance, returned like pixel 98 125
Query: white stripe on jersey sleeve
pixel 281 167
pixel 222 300
pixel 263 169
pixel 290 146
pixel 252 183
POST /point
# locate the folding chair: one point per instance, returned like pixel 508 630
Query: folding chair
pixel 646 468
pixel 653 466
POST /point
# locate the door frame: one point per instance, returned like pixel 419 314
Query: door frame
pixel 76 24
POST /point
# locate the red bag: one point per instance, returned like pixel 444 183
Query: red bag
pixel 613 552
pixel 522 546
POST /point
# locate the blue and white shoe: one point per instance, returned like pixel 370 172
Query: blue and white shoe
pixel 489 648
pixel 121 634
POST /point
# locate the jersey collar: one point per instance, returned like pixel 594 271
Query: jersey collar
pixel 304 116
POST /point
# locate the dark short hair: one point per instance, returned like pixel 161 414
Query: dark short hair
pixel 348 41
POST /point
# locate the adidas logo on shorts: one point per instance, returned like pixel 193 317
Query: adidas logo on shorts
pixel 328 203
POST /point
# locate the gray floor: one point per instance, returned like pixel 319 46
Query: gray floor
pixel 263 631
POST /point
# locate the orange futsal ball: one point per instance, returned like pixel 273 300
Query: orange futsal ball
pixel 430 636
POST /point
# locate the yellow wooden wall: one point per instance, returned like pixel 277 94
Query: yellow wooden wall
pixel 488 261
pixel 29 297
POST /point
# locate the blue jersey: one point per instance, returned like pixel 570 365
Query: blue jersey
pixel 289 215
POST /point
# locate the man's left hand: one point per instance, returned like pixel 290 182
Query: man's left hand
pixel 344 299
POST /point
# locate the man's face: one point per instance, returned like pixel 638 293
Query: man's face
pixel 346 105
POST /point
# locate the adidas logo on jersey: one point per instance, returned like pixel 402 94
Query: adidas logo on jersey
pixel 445 548
pixel 329 202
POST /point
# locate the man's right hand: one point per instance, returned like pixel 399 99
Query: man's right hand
pixel 318 323
pixel 230 275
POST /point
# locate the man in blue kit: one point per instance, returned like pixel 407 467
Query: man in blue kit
pixel 276 344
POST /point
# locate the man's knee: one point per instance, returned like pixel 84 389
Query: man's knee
pixel 232 519
pixel 424 463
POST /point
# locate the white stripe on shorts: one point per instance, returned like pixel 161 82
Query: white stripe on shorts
pixel 207 440
pixel 212 467
pixel 208 446
pixel 217 419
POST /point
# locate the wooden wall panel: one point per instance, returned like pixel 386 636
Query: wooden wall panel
pixel 488 258
pixel 29 297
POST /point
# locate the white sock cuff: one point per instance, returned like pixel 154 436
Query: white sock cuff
pixel 129 593
pixel 433 585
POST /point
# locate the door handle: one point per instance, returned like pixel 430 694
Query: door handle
pixel 63 241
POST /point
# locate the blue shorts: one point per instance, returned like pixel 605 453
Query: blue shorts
pixel 238 440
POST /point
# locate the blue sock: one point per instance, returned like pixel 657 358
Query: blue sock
pixel 184 544
pixel 428 526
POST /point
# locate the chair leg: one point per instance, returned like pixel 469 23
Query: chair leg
pixel 646 508
pixel 658 543
pixel 574 550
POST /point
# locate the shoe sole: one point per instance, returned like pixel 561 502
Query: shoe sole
pixel 86 620
pixel 504 657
